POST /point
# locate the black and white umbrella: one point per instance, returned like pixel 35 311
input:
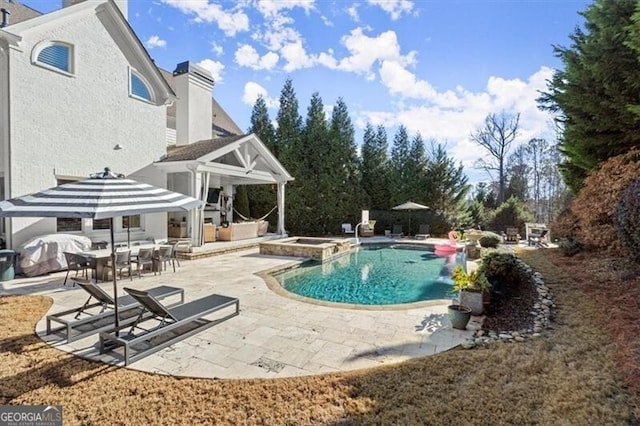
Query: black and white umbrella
pixel 104 195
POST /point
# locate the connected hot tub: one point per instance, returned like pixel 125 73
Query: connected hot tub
pixel 320 249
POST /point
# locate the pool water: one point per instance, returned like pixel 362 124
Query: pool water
pixel 383 275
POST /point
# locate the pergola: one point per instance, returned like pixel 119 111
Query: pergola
pixel 223 163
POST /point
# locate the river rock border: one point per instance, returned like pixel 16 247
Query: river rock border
pixel 542 313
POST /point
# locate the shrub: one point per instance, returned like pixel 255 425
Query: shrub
pixel 595 204
pixel 565 226
pixel 489 240
pixel 627 220
pixel 504 271
pixel 569 247
pixel 511 213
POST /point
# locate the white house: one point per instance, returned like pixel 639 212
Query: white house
pixel 78 92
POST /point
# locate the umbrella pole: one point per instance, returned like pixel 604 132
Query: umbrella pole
pixel 128 232
pixel 113 273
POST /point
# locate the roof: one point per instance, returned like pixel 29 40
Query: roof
pixel 222 123
pixel 19 12
pixel 198 149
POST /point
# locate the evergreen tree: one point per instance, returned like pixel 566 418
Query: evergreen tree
pixel 400 157
pixel 343 167
pixel 375 168
pixel 417 185
pixel 448 185
pixel 594 95
pixel 288 136
pixel 261 198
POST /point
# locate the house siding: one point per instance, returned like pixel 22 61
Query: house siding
pixel 68 126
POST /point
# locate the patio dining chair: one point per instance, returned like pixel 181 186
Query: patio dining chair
pixel 75 263
pixel 143 259
pixel 164 256
pixel 123 262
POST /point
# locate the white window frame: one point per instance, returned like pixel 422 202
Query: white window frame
pixel 133 72
pixel 43 45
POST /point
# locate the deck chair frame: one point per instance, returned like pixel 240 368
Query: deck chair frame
pixel 423 232
pixel 170 319
pixel 397 232
pixel 77 328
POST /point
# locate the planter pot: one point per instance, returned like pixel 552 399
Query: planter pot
pixel 474 300
pixel 459 316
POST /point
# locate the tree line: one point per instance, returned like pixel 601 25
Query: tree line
pixel 334 180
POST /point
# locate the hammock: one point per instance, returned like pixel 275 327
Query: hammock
pixel 250 219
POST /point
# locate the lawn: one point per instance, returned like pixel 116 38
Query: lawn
pixel 581 372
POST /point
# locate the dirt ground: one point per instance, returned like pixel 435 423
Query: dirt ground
pixel 582 372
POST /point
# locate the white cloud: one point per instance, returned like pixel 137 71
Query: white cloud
pixel 353 13
pixel 214 67
pixel 229 21
pixel 451 116
pixel 395 8
pixel 155 41
pixel 251 92
pixel 366 51
pixel 296 57
pixel 247 56
pixel 217 48
pixel 272 8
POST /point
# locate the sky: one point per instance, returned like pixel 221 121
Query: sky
pixel 438 67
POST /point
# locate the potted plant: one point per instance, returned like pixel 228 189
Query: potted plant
pixel 459 316
pixel 473 288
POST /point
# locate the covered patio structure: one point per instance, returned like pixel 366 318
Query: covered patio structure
pixel 212 169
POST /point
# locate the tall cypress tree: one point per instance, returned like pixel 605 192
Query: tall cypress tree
pixel 448 185
pixel 288 135
pixel 343 168
pixel 400 157
pixel 595 93
pixel 417 186
pixel 261 198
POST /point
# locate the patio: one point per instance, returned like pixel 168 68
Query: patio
pixel 274 336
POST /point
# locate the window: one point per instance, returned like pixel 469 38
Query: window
pixel 131 221
pixel 56 56
pixel 138 87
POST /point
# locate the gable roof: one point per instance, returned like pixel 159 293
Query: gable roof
pixel 245 157
pixel 116 24
pixel 18 11
pixel 222 123
pixel 198 149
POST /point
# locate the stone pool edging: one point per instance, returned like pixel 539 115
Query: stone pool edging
pixel 541 312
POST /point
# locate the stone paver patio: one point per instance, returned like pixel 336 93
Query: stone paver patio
pixel 274 335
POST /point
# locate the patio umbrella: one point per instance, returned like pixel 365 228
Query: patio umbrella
pixel 104 195
pixel 410 206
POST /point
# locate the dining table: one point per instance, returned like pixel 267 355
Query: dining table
pixel 102 256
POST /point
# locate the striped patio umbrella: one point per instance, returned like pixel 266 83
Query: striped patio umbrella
pixel 104 195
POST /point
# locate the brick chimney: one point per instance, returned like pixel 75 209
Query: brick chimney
pixel 194 106
pixel 122 5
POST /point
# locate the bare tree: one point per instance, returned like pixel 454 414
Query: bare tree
pixel 499 131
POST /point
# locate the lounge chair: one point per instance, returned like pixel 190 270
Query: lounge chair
pixel 175 324
pixel 423 232
pixel 347 229
pixel 539 240
pixel 397 232
pixel 511 236
pixel 367 229
pixel 84 321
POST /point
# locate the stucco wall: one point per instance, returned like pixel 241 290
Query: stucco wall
pixel 68 126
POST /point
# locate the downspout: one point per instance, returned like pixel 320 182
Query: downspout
pixel 5 135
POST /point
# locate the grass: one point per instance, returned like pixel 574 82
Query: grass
pixel 571 375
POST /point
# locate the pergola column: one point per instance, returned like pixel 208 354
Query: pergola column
pixel 280 195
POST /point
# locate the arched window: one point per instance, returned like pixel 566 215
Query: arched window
pixel 54 55
pixel 138 87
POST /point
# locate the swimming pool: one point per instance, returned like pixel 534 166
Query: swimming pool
pixel 379 275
